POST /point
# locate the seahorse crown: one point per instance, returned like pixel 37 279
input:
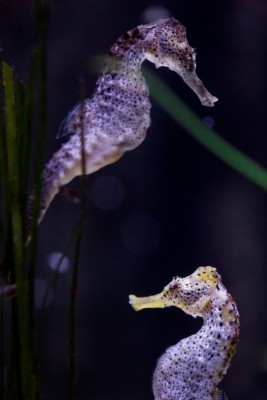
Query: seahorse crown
pixel 165 38
pixel 193 292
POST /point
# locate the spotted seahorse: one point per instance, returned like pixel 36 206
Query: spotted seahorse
pixel 193 368
pixel 117 116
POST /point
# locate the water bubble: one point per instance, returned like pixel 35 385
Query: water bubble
pixel 153 13
pixel 58 262
pixel 209 121
pixel 107 192
pixel 141 234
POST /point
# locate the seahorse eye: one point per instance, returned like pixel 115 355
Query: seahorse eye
pixel 174 287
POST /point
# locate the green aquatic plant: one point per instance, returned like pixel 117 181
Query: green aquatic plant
pixel 207 137
pixel 21 354
pixel 21 376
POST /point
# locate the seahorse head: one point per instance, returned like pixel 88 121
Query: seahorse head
pixel 164 43
pixel 192 294
pixel 169 46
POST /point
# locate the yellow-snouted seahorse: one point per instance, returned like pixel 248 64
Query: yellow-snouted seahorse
pixel 117 116
pixel 193 368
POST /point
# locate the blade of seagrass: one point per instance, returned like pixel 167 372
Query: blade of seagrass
pixel 39 66
pixel 74 279
pixel 222 149
pixel 25 376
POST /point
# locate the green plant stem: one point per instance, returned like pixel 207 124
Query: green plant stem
pixel 39 62
pixel 10 370
pixel 74 282
pixel 225 151
pixel 3 167
pixel 73 302
pixel 21 314
pixel 2 346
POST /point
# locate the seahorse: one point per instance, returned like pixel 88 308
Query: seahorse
pixel 193 368
pixel 116 118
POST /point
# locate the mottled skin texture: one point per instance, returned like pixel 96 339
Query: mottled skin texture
pixel 117 116
pixel 193 368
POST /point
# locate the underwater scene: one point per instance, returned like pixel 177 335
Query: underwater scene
pixel 133 200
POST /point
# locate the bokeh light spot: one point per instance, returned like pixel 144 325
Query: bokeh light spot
pixel 58 262
pixel 209 121
pixel 153 13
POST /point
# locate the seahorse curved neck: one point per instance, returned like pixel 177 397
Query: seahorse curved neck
pixel 210 350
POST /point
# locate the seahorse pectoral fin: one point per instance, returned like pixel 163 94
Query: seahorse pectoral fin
pixel 156 301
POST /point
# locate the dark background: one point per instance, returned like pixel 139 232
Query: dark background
pixel 163 209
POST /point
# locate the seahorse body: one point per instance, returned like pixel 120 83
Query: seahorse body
pixel 117 116
pixel 193 368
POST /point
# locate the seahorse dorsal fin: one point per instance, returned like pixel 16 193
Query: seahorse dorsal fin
pixel 221 395
pixel 65 128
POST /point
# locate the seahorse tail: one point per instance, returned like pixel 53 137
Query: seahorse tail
pixel 40 207
pixel 59 171
pixel 65 165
